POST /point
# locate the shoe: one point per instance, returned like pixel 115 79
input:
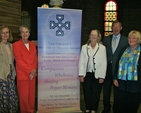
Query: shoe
pixel 103 111
pixel 92 111
pixel 87 111
pixel 115 112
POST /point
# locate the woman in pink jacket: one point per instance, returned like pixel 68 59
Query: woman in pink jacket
pixel 26 68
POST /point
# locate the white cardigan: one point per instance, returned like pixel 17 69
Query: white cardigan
pixel 100 61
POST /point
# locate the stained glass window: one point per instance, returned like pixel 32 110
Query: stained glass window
pixel 110 15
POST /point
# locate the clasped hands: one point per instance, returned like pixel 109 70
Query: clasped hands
pixel 32 74
pixel 101 80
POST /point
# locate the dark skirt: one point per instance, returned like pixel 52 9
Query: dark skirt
pixel 8 95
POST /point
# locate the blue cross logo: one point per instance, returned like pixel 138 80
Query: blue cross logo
pixel 60 25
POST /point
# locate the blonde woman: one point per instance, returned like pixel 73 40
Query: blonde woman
pixel 8 94
pixel 128 77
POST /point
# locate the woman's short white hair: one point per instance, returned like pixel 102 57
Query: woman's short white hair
pixel 56 2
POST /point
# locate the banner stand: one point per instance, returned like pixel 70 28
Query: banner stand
pixel 59 42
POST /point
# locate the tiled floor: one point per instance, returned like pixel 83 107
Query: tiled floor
pixel 82 104
pixel 100 103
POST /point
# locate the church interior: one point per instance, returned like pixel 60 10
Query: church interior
pixel 17 12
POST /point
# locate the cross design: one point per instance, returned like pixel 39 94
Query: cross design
pixel 60 25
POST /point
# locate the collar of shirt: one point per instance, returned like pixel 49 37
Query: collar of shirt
pixel 118 37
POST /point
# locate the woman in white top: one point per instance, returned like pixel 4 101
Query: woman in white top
pixel 92 70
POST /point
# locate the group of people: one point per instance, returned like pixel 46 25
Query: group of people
pixel 114 63
pixel 21 55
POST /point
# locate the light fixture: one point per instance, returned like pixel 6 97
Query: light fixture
pixel 45 6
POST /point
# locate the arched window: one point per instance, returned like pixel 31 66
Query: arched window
pixel 25 19
pixel 110 15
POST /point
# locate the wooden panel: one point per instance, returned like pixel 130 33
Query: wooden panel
pixel 10 14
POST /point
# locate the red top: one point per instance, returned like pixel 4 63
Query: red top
pixel 26 60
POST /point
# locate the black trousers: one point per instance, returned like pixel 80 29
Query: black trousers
pixel 129 102
pixel 107 86
pixel 92 89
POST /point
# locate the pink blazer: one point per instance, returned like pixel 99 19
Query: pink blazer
pixel 26 60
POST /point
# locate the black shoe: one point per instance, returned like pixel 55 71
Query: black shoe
pixel 115 112
pixel 103 111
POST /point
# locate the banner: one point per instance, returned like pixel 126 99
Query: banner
pixel 59 37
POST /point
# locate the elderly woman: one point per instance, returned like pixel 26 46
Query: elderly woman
pixel 26 67
pixel 92 70
pixel 8 94
pixel 128 77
